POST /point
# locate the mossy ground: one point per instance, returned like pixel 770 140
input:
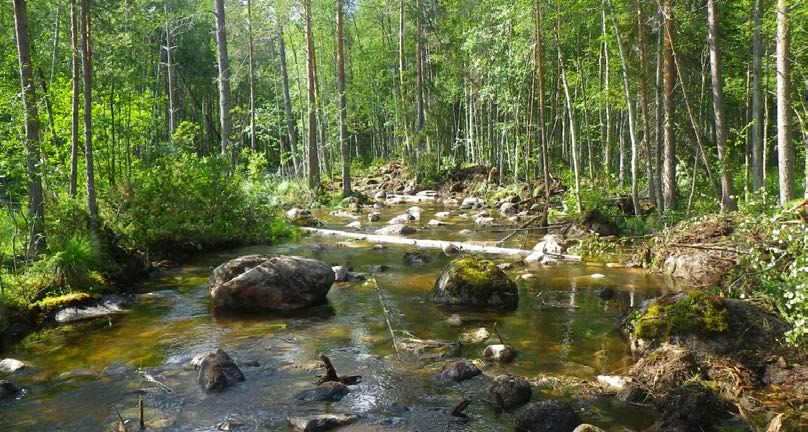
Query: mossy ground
pixel 697 312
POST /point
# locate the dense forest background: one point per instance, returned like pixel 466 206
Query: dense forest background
pixel 153 126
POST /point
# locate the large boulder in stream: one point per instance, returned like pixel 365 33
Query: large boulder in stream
pixel 7 390
pixel 509 391
pixel 270 283
pixel 475 281
pixel 218 372
pixel 547 416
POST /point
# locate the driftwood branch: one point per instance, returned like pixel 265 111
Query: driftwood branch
pixel 432 244
pixel 524 225
pixel 331 374
pixel 457 411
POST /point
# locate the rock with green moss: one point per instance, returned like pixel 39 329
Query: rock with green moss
pixel 475 281
pixel 702 322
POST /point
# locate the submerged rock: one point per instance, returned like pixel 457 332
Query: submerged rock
pixel 331 391
pixel 7 390
pixel 321 422
pixel 547 416
pixel 218 372
pixel 11 365
pixel 587 428
pixel 509 391
pixel 475 281
pixel 460 371
pixel 416 258
pixel 430 350
pixel 552 243
pixel 397 230
pixel 605 293
pixel 475 336
pixel 454 320
pixel 107 306
pixel 374 217
pixel 277 283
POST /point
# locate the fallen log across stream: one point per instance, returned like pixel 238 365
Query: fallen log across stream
pixel 439 244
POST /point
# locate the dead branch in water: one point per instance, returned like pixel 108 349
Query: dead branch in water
pixel 457 411
pixel 331 374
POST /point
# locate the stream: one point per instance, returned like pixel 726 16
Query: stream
pixel 79 374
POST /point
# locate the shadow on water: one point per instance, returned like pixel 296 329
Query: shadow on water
pixel 562 327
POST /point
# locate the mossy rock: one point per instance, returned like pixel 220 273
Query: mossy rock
pixel 475 281
pixel 696 312
pixel 704 323
pixel 45 308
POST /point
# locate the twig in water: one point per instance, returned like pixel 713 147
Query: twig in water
pixel 499 336
pixel 122 424
pixel 458 410
pixel 386 315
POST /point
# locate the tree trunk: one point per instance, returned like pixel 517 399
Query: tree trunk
pixel 607 162
pixel 727 199
pixel 87 71
pixel 287 102
pixel 542 132
pixel 172 109
pixel 344 144
pixel 314 167
pixel 785 148
pixel 646 121
pixel 571 115
pixel 420 119
pixel 668 81
pixel 630 110
pixel 251 48
pixel 74 100
pixel 224 76
pixel 31 142
pixel 757 117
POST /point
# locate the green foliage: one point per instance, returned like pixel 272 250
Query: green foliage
pixel 593 248
pixel 185 203
pixel 696 312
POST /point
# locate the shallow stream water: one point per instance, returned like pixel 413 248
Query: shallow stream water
pixel 78 375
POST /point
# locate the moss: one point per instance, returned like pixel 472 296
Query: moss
pixel 41 309
pixel 476 274
pixel 695 313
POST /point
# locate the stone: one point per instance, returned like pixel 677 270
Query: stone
pixel 587 428
pixel 547 416
pixel 218 372
pixel 374 217
pixel 475 336
pixel 470 203
pixel 354 225
pixel 270 283
pixel 302 217
pixel 460 371
pixel 398 230
pixel 380 196
pixel 401 219
pixel 340 273
pixel 379 247
pixel 415 212
pixel 475 281
pixel 443 214
pixel 435 222
pixel 107 306
pixel 11 365
pixel 321 422
pixel 614 381
pixel 455 320
pixel 416 258
pixel 660 372
pixel 7 390
pixel 429 350
pixel 505 266
pixel 450 250
pixel 509 391
pixel 483 221
pixel 605 293
pixel 508 209
pixel 500 352
pixel 331 391
pixel 552 243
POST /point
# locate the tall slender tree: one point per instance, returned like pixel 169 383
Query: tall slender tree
pixel 74 99
pixel 251 59
pixel 291 131
pixel 643 90
pixel 785 148
pixel 719 114
pixel 757 96
pixel 31 141
pixel 344 143
pixel 225 121
pixel 313 161
pixel 668 83
pixel 87 73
